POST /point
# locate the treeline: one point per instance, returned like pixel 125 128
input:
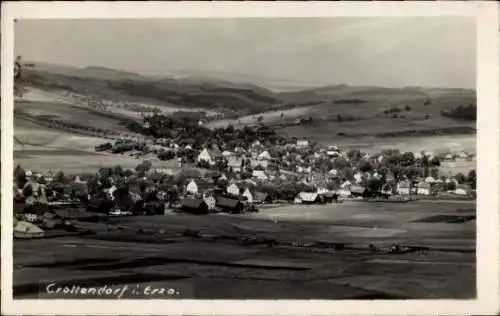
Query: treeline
pixel 457 130
pixel 462 113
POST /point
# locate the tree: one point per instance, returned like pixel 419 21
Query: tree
pixel 260 118
pixel 230 129
pixel 20 176
pixel 407 108
pixel 460 177
pixel 59 177
pixel 374 185
pixel 118 170
pixel 365 166
pixel 471 178
pixel 339 118
pixel 407 159
pixel 434 172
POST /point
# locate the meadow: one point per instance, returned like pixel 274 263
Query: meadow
pixel 141 250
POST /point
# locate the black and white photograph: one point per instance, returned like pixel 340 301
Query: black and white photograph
pixel 249 158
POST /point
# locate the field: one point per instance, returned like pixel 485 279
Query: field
pixel 47 150
pixel 217 259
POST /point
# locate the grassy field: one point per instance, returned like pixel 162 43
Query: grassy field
pixel 47 150
pixel 208 268
pixel 71 113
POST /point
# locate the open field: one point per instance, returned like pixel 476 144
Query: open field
pixel 197 266
pixel 70 113
pixel 47 150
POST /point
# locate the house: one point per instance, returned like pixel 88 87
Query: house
pixel 322 190
pixel 194 206
pixel 222 178
pixel 259 163
pixel 462 156
pixel 210 156
pixel 264 155
pixel 192 187
pixel 430 180
pixel 302 143
pixel 359 191
pixel 448 157
pixel 227 153
pixel 230 205
pixel 404 187
pixel 248 195
pixel 233 189
pixel 260 175
pixel 463 189
pixel 308 198
pixel 333 173
pixel 345 189
pixel 235 163
pixel 424 188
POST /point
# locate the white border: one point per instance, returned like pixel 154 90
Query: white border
pixel 488 156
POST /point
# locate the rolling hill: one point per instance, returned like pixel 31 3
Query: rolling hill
pixel 335 111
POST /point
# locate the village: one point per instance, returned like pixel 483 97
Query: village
pixel 237 171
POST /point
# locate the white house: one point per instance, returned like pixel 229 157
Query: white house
pixel 302 143
pixel 223 177
pixel 462 189
pixel 345 189
pixel 333 173
pixel 404 187
pixel 260 175
pixel 262 163
pixel 430 179
pixel 264 155
pixel 424 188
pixel 207 156
pixel 227 153
pixel 248 195
pixel 322 190
pixel 192 187
pixel 235 163
pixel 233 189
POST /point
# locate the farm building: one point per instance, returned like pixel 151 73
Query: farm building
pixel 307 198
pixel 230 205
pixel 192 187
pixel 194 206
pixel 404 187
pixel 359 191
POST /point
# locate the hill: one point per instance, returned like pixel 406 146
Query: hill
pixel 333 111
pixel 190 93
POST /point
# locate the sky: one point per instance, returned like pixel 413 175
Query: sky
pixel 393 52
